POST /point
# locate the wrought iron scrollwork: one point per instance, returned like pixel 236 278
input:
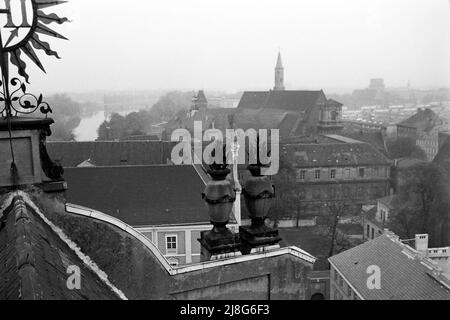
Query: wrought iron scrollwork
pixel 20 101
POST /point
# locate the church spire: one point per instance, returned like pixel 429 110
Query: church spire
pixel 279 74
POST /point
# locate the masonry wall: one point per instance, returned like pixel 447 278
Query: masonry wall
pixel 138 273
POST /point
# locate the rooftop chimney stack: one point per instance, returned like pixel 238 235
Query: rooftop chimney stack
pixel 422 244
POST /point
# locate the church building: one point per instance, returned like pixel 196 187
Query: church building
pixel 297 113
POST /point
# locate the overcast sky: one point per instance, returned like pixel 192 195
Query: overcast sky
pixel 232 45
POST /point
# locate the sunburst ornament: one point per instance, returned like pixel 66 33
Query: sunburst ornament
pixel 22 24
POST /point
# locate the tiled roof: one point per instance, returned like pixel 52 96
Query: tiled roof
pixel 334 155
pixel 293 100
pixel 253 99
pixel 140 195
pixel 298 101
pixel 403 276
pixel 34 260
pixel 424 120
pixel 109 153
pixel 375 138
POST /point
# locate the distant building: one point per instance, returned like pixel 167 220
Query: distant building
pixel 351 170
pixel 424 128
pixel 299 113
pixel 294 112
pixel 376 219
pixel 386 269
pixel 377 84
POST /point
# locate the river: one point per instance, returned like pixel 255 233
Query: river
pixel 87 129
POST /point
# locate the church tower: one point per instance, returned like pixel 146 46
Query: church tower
pixel 279 75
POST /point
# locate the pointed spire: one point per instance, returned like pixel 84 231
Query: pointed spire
pixel 279 62
pixel 279 74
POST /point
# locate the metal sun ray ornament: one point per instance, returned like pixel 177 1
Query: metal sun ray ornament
pixel 20 36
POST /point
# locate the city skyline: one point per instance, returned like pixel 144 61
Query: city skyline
pixel 335 46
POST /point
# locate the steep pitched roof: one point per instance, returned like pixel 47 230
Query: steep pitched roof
pixel 110 153
pixel 201 97
pixel 334 155
pixel 140 195
pixel 404 276
pixel 292 100
pixel 34 260
pixel 253 99
pixel 424 120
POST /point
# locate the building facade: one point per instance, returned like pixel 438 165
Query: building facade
pixel 352 172
pixel 423 128
pixel 376 220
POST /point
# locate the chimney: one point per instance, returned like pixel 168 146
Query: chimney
pixel 422 244
pixel 24 159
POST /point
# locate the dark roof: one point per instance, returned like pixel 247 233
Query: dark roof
pixel 424 120
pixel 334 155
pixel 110 153
pixel 201 97
pixel 373 137
pixel 34 261
pixel 253 99
pixel 140 195
pixel 402 277
pixel 371 216
pixel 293 100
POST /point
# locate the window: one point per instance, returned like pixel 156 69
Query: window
pixel 368 231
pixel 373 233
pixel 302 175
pixel 361 172
pixel 317 174
pixel 333 174
pixel 171 244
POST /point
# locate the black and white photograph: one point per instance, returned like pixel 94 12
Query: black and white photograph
pixel 219 156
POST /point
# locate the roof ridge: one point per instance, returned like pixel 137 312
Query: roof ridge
pixel 91 265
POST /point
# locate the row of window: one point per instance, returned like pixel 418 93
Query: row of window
pixel 332 173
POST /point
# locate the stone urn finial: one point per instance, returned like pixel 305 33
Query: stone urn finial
pixel 259 194
pixel 219 197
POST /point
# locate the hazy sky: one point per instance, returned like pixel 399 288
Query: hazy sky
pixel 232 45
